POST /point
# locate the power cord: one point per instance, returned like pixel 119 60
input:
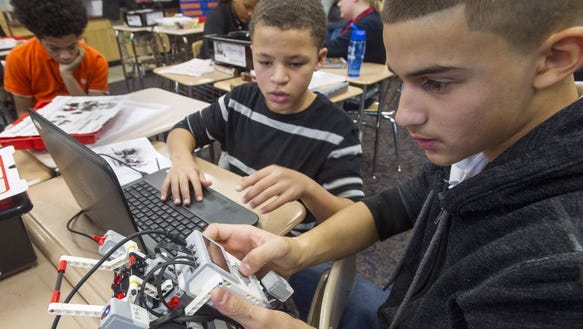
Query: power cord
pixel 70 227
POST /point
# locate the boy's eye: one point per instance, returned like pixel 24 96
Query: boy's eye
pixel 434 85
pixel 295 65
pixel 264 63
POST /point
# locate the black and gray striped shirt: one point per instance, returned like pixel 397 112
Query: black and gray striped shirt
pixel 321 142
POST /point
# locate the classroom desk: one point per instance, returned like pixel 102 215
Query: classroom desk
pixel 37 166
pixel 227 85
pixel 179 41
pixel 54 205
pixel 370 73
pixel 190 81
pixel 30 168
pixel 179 107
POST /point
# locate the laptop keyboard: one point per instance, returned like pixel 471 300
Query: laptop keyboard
pixel 151 213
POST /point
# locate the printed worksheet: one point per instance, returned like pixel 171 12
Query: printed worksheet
pixel 132 158
pixel 75 115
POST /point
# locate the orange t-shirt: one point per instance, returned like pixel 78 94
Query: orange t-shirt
pixel 30 71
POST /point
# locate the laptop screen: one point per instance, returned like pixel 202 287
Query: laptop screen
pixel 233 50
pixel 89 177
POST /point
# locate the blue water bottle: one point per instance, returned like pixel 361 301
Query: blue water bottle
pixel 356 50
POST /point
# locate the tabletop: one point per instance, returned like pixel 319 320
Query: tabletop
pixel 369 73
pixel 54 205
pixel 191 81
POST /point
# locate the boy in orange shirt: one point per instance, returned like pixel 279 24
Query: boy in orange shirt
pixel 55 62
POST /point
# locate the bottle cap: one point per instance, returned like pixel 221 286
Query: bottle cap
pixel 358 35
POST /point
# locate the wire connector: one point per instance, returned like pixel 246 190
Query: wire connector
pixel 110 239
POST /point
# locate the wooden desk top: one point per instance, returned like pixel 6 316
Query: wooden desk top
pixel 162 29
pixel 180 32
pixel 54 205
pixel 227 85
pixel 369 73
pixel 125 28
pixel 191 81
pixel 30 168
pixel 180 107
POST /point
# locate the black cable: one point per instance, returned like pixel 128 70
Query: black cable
pixel 142 173
pixel 100 262
pixel 141 294
pixel 70 227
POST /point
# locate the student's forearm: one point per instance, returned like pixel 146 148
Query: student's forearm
pixel 180 144
pixel 21 104
pixel 349 231
pixel 321 203
pixel 72 85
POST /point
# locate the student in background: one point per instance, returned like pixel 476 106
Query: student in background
pixel 288 142
pixel 496 217
pixel 228 16
pixel 364 15
pixel 55 61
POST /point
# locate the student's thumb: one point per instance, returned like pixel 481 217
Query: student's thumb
pixel 234 308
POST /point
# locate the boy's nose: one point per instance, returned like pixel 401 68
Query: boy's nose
pixel 66 54
pixel 279 75
pixel 411 109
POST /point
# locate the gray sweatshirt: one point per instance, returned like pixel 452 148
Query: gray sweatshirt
pixel 502 249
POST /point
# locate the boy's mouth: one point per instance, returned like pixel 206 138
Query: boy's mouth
pixel 278 96
pixel 423 142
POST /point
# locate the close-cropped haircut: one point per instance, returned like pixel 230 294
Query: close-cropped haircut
pixel 287 15
pixel 51 18
pixel 524 24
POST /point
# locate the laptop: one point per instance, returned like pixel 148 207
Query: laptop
pixel 127 209
pixel 231 50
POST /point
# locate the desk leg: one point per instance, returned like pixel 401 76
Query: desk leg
pixel 186 49
pixel 376 141
pixel 361 109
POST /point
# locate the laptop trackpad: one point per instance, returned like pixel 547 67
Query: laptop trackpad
pixel 215 207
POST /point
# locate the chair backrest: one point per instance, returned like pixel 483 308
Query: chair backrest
pixel 327 4
pixel 332 293
pixel 196 47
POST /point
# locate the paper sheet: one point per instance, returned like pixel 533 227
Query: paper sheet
pixel 75 115
pixel 194 67
pixel 138 153
pixel 321 78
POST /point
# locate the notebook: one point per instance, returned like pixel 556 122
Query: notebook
pixel 111 206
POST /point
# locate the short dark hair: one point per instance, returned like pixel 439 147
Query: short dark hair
pixel 522 23
pixel 51 18
pixel 287 14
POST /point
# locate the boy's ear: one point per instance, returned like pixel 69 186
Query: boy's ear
pixel 562 54
pixel 322 53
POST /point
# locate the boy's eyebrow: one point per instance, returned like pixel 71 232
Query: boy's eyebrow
pixel 290 57
pixel 434 69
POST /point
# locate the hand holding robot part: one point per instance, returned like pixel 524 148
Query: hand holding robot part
pixel 217 268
